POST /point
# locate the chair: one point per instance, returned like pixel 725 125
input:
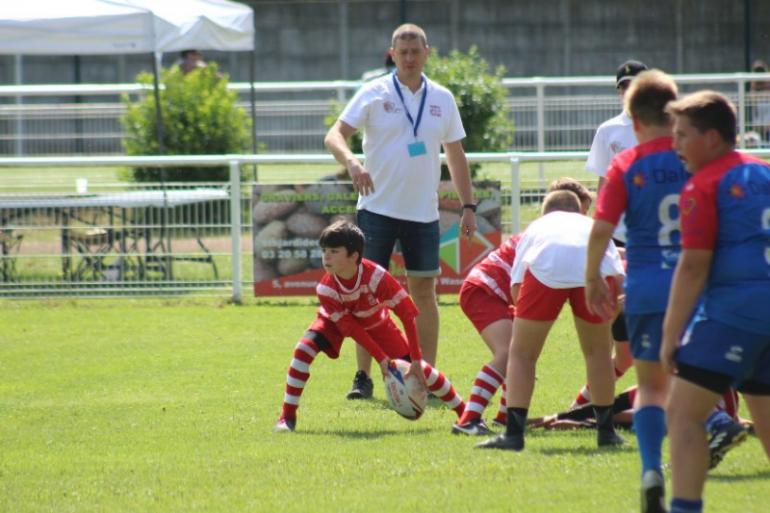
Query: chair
pixel 93 245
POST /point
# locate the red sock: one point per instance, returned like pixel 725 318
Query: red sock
pixel 443 389
pixel 298 374
pixel 584 396
pixel 487 381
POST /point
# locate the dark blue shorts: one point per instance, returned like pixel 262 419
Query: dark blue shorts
pixel 419 242
pixel 645 332
pixel 719 348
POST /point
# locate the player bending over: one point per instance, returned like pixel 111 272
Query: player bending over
pixel 485 298
pixel 546 273
pixel 356 298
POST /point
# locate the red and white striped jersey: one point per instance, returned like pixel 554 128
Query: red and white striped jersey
pixel 369 300
pixel 494 272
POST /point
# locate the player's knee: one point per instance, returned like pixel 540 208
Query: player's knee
pixel 500 359
pixel 422 288
pixel 523 358
pixel 679 421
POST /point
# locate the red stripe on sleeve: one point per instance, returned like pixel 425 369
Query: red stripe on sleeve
pixel 613 197
pixel 698 210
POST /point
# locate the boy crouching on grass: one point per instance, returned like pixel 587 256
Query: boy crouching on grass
pixel 356 298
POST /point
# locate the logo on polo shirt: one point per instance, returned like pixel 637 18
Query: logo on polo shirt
pixel 389 106
pixel 639 179
pixel 435 110
pixel 616 147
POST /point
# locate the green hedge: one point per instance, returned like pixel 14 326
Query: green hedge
pixel 200 117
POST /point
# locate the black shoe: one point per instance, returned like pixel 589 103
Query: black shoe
pixel 362 387
pixel 724 440
pixel 653 493
pixel 504 442
pixel 609 439
pixel 475 427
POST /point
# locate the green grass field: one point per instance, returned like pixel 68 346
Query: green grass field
pixel 168 406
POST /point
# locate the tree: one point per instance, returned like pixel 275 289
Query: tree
pixel 200 117
pixel 480 96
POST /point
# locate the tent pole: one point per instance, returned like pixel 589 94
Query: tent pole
pixel 158 116
pixel 165 237
pixel 253 99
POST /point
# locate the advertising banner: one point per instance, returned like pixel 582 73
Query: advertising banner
pixel 288 219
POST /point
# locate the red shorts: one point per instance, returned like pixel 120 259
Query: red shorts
pixel 328 338
pixel 482 307
pixel 538 302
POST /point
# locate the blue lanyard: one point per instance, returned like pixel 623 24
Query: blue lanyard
pixel 412 122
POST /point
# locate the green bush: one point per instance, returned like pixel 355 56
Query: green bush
pixel 200 117
pixel 480 96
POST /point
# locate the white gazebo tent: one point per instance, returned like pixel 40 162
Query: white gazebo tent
pixel 84 27
pixel 106 27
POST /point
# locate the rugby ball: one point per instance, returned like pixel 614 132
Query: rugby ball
pixel 405 395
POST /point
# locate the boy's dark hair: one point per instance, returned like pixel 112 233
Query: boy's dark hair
pixel 343 234
pixel 648 95
pixel 565 183
pixel 708 110
pixel 184 53
pixel 562 201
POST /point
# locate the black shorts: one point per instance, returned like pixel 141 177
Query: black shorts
pixel 619 330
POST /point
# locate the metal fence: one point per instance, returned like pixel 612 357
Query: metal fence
pixel 145 239
pixel 161 239
pixel 549 114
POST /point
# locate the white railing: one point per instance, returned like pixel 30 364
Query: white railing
pixel 549 113
pixel 236 200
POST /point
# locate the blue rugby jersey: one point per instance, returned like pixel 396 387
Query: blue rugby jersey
pixel 644 182
pixel 726 208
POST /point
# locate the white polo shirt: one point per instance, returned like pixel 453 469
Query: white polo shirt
pixel 553 248
pixel 613 136
pixel 404 187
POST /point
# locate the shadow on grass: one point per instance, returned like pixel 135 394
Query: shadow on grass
pixel 758 475
pixel 555 451
pixel 581 449
pixel 365 434
pixel 433 403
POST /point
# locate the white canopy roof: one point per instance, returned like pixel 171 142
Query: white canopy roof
pixel 200 24
pixel 92 27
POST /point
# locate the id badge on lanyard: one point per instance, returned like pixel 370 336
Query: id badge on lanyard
pixel 416 148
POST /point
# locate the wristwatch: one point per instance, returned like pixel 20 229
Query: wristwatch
pixel 471 206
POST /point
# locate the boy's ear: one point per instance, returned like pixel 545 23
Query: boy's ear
pixel 713 138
